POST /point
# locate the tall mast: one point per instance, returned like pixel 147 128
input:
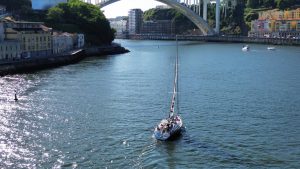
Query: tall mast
pixel 175 87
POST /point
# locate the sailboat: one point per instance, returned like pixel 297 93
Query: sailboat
pixel 172 125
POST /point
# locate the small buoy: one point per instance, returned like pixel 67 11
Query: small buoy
pixel 16 98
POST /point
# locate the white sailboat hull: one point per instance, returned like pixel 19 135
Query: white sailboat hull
pixel 165 131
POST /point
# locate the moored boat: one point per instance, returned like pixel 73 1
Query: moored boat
pixel 246 48
pixel 271 48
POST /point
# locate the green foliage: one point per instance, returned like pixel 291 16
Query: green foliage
pixel 251 16
pixel 182 24
pixel 85 17
pixel 281 4
pixel 234 22
pixel 269 3
pixel 55 14
pixel 252 3
pixel 160 14
pixel 284 4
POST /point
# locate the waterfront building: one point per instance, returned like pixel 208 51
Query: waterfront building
pixel 120 24
pixel 158 27
pixel 35 39
pixel 10 50
pixel 275 23
pixel 135 19
pixel 45 4
pixel 62 42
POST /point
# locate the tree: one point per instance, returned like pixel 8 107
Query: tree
pixel 251 16
pixel 182 23
pixel 284 4
pixel 269 3
pixel 252 3
pixel 77 16
pixel 55 14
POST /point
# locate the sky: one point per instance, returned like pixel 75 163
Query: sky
pixel 41 4
pixel 122 7
pixel 119 8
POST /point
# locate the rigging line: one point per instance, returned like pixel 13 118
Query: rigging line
pixel 177 58
pixel 175 83
pixel 177 75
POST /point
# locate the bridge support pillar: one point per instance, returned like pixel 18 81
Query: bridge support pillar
pixel 199 6
pixel 205 2
pixel 218 13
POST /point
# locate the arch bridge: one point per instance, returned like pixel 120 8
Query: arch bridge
pixel 190 8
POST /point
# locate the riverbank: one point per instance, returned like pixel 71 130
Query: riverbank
pixel 223 39
pixel 35 64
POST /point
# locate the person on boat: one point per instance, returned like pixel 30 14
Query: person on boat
pixel 158 128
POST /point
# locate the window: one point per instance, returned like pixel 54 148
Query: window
pixel 288 26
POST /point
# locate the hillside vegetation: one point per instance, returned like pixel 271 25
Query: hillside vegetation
pixel 74 16
pixel 77 16
pixel 237 21
pixel 182 23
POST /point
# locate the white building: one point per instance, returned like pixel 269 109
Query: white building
pixel 62 42
pixel 135 19
pixel 45 4
pixel 10 50
pixel 120 24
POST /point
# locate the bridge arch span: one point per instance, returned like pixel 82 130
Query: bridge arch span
pixel 196 19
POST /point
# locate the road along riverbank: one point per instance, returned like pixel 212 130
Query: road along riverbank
pixel 223 39
pixel 35 64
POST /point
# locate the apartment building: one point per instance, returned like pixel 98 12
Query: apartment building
pixel 135 19
pixel 275 23
pixel 35 39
